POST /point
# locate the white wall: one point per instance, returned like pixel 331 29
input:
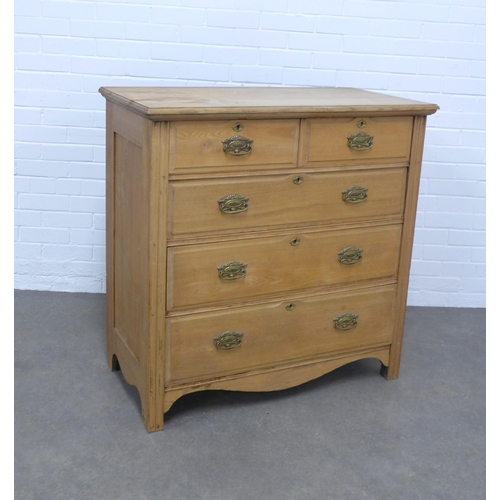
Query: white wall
pixel 431 50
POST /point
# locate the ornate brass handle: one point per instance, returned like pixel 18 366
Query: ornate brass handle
pixel 346 321
pixel 228 340
pixel 232 270
pixel 233 204
pixel 360 141
pixel 350 255
pixel 237 145
pixel 355 194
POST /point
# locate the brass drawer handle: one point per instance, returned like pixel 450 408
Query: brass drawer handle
pixel 298 180
pixel 237 145
pixel 346 321
pixel 355 194
pixel 228 340
pixel 232 270
pixel 294 242
pixel 360 141
pixel 350 255
pixel 233 204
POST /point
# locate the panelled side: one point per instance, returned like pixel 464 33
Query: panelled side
pixel 128 245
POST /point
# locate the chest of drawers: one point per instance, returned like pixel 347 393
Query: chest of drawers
pixel 257 238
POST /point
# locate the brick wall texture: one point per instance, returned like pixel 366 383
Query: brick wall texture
pixel 430 50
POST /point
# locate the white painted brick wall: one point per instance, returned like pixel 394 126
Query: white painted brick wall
pixel 432 50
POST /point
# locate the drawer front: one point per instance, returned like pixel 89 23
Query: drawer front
pixel 277 332
pixel 235 205
pixel 222 145
pixel 238 270
pixel 344 141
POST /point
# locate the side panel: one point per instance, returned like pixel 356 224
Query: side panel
pixel 136 255
pixel 126 242
pixel 130 245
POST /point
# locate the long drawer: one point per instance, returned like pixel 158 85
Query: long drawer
pixel 241 339
pixel 239 204
pixel 237 270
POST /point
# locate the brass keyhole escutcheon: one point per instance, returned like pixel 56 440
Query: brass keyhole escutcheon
pixel 238 127
pixel 290 307
pixel 361 124
pixel 298 180
pixel 294 242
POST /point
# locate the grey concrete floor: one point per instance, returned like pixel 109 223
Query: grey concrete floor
pixel 347 435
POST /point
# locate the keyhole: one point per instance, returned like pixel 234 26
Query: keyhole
pixel 238 127
pixel 294 242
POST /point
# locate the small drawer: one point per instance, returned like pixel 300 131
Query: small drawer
pixel 361 140
pixel 237 340
pixel 240 204
pixel 222 145
pixel 234 271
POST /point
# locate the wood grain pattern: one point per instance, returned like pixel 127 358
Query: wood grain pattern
pixel 272 334
pixel 171 103
pixel 110 244
pixel 126 246
pixel 197 146
pixel 276 200
pixel 136 256
pixel 274 265
pixel 274 378
pixel 166 235
pixel 325 140
pixel 131 242
pixel 152 413
pixel 413 185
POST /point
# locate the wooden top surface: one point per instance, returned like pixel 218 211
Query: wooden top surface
pixel 162 103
